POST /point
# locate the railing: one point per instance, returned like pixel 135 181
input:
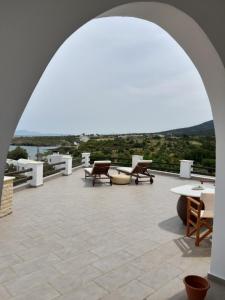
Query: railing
pixel 159 166
pixel 14 173
pixel 50 170
pixel 61 164
pixel 202 170
pixel 20 179
pixel 121 162
pixel 57 164
pixel 175 168
pixel 76 162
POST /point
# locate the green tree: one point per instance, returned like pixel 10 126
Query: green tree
pixel 18 153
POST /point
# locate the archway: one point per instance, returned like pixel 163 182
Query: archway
pixel 179 24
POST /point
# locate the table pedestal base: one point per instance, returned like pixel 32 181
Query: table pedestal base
pixel 182 208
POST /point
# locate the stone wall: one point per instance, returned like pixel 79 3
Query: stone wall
pixel 7 196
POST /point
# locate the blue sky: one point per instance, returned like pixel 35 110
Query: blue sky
pixel 117 75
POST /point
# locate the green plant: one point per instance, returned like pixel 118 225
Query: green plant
pixel 18 153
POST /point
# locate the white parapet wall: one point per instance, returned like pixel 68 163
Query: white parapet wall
pixel 68 164
pixel 60 158
pixel 186 167
pixel 12 162
pixel 36 173
pixel 55 158
pixel 85 159
pixel 136 159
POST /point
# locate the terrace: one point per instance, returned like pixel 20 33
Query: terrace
pixel 68 240
pixel 22 67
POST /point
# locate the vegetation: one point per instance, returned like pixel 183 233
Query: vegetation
pixel 48 170
pixel 18 153
pixel 43 140
pixel 163 150
pixel 203 129
pixel 195 143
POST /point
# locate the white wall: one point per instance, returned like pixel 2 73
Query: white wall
pixel 31 32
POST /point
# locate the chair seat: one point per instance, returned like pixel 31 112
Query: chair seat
pixel 209 214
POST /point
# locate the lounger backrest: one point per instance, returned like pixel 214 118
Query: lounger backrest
pixel 101 167
pixel 142 166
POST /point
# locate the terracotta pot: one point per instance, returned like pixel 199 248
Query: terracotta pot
pixel 196 287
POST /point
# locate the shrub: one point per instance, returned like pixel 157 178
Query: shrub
pixel 18 153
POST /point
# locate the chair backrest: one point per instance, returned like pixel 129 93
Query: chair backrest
pixel 208 199
pixel 194 208
pixel 101 167
pixel 196 220
pixel 142 166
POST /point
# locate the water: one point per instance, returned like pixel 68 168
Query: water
pixel 32 150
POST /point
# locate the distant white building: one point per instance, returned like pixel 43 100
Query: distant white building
pixel 76 144
pixel 12 162
pixel 84 138
pixel 20 164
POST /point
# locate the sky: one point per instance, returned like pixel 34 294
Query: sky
pixel 117 75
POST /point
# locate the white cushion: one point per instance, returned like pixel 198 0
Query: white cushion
pixel 130 170
pixel 88 170
pixel 125 169
pixel 144 161
pixel 207 214
pixel 96 162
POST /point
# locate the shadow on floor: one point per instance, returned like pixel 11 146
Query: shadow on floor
pixel 216 292
pixel 186 244
pixel 88 183
pixel 173 225
pixel 188 248
pixel 179 296
pixel 105 182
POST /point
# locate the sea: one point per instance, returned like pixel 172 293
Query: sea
pixel 33 150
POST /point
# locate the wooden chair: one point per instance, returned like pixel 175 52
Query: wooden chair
pixel 200 215
pixel 100 170
pixel 141 170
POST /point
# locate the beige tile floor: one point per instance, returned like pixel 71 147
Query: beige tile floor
pixel 69 241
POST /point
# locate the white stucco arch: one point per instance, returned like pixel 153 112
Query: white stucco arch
pixel 208 63
pixel 21 69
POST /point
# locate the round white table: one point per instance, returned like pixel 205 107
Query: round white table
pixel 189 190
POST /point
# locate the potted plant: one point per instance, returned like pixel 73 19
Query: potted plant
pixel 196 287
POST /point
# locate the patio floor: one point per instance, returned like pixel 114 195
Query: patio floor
pixel 69 241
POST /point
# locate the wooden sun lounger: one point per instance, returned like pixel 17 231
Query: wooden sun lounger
pixel 141 170
pixel 100 170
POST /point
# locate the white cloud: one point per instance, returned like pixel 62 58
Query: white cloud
pixel 116 67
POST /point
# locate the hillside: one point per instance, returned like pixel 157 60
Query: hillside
pixel 203 129
pixel 20 133
pixel 27 133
